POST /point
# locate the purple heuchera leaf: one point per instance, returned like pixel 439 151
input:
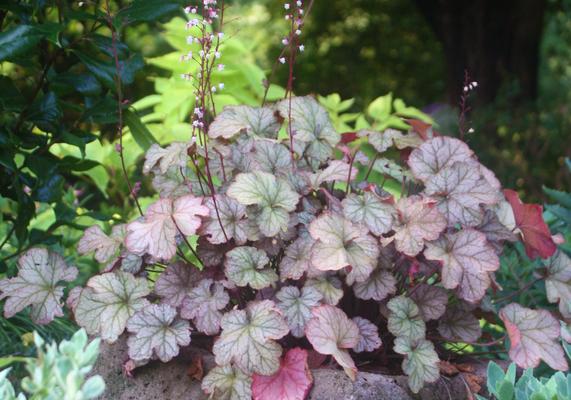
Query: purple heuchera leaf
pixel 105 247
pixel 36 285
pixel 232 216
pixel 368 335
pixel 558 282
pixel 296 260
pixel 369 210
pixel 431 301
pixel 203 304
pixel 435 154
pixel 296 306
pixel 251 121
pixel 380 284
pixel 157 331
pixel 175 282
pixel 460 324
pixel 174 155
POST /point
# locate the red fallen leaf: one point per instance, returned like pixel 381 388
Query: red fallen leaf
pixel 195 370
pixel 348 137
pixel 529 219
pixel 447 368
pixel 291 382
pixel 423 129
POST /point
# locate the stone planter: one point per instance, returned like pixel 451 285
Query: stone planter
pixel 158 381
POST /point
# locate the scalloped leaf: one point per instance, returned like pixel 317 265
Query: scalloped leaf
pixel 296 259
pixel 252 121
pixel 369 339
pixel 431 301
pixel 535 232
pixel 435 154
pixel 36 285
pixel 108 301
pixel 313 133
pixel 175 282
pixel 558 282
pixel 227 383
pixel 296 306
pixel 496 232
pixel 272 157
pixel 329 286
pixel 420 363
pixel 248 338
pixel 157 331
pixel 534 336
pixel 274 197
pixel 377 286
pixel 164 219
pixel 105 247
pixel 460 190
pixel 405 319
pixel 203 304
pixel 388 138
pixel 291 382
pixel 369 210
pixel 339 244
pixel 246 265
pixel 330 332
pixel 418 221
pixel 467 260
pixel 337 170
pixel 459 324
pixel 174 155
pixel 233 218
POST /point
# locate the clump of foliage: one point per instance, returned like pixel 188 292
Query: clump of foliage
pixel 59 372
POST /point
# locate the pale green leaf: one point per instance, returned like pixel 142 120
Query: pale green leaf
pixel 420 363
pixel 405 319
pixel 247 265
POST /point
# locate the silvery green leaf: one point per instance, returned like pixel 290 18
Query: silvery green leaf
pixel 404 318
pixel 369 210
pixel 377 286
pixel 273 196
pixel 431 300
pixel 296 260
pixel 311 126
pixel 174 283
pixel 175 184
pixel 247 265
pixel 296 306
pixel 272 157
pixel 558 282
pixel 420 363
pixel 337 170
pixel 174 155
pixel 382 141
pixel 329 286
pixel 232 216
pixel 459 324
pixel 36 285
pixel 369 339
pixel 390 168
pixel 227 383
pixel 203 304
pixel 248 338
pixel 252 121
pixel 157 332
pixel 108 301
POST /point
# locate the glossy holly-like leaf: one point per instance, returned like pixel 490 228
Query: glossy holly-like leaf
pixel 291 382
pixel 203 304
pixel 467 260
pixel 459 324
pixel 377 286
pixel 227 383
pixel 337 170
pixel 174 155
pixel 340 243
pixel 420 363
pixel 248 338
pixel 330 332
pixel 369 210
pixel 460 191
pixel 435 154
pixel 252 121
pixel 296 306
pixel 405 319
pixel 535 232
pixel 164 219
pixel 175 282
pixel 329 286
pixel 36 285
pixel 105 247
pixel 296 259
pixel 313 133
pixel 558 282
pixel 157 331
pixel 247 265
pixel 534 336
pixel 108 301
pixel 431 300
pixel 369 339
pixel 418 221
pixel 233 219
pixel 274 197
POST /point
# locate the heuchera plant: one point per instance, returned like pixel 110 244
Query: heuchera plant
pixel 272 236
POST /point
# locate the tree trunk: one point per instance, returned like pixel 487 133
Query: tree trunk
pixel 495 41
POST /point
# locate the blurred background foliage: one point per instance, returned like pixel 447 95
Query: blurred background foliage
pixel 367 60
